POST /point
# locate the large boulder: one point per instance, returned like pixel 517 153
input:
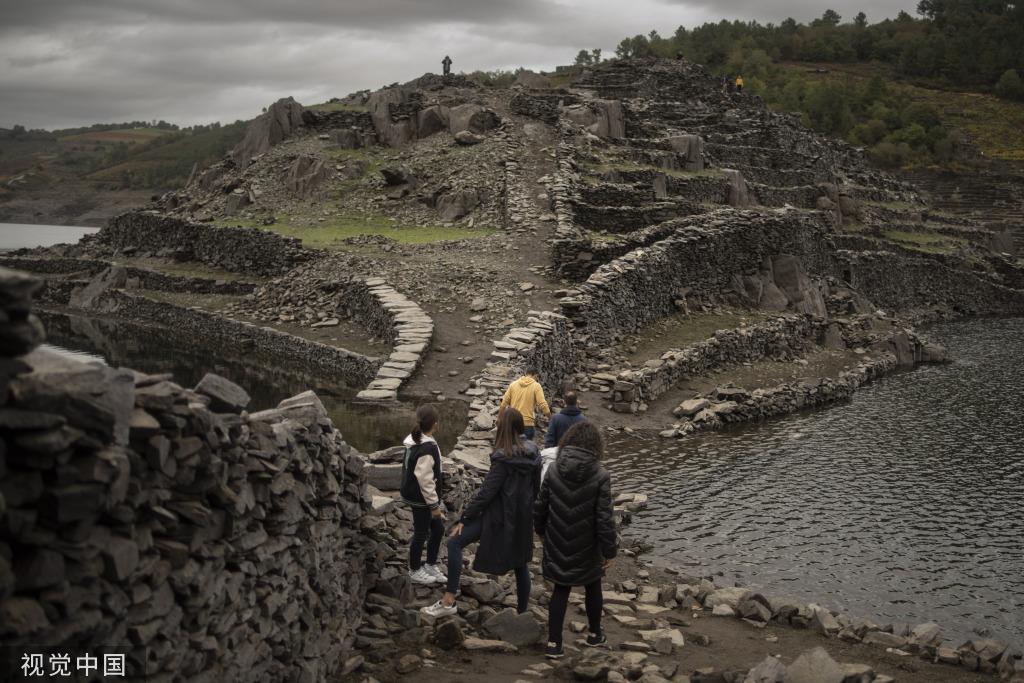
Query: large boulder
pixel 390 111
pixel 306 175
pixel 454 205
pixel 690 151
pixel 519 629
pixel 266 130
pixel 89 296
pixel 603 118
pixel 815 666
pixel 803 294
pixel 433 119
pixel 472 117
pixel 225 396
pixel 739 193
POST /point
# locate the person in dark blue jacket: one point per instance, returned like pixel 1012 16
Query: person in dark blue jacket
pixel 500 516
pixel 560 423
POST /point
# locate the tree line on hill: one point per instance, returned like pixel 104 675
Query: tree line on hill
pixel 972 44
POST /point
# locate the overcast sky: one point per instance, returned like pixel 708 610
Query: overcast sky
pixel 74 62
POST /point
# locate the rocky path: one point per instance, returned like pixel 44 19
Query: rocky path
pixel 662 625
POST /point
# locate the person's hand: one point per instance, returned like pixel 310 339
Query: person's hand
pixel 437 513
pixel 456 530
pixel 606 563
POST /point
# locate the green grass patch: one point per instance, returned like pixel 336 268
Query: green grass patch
pixel 679 331
pixel 330 233
pixel 928 242
pixel 129 135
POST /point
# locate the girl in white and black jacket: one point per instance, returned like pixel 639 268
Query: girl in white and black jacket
pixel 421 490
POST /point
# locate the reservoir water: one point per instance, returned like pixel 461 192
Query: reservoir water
pixel 906 504
pixel 22 235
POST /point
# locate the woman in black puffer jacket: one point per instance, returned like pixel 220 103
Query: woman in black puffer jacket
pixel 573 515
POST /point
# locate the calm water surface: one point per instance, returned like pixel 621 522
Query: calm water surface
pixel 22 236
pixel 906 504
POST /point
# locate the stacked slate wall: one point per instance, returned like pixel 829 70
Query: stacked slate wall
pixel 207 543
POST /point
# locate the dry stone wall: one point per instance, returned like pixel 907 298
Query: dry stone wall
pixel 241 250
pixel 140 278
pixel 218 331
pixel 781 338
pixel 701 257
pixel 212 544
pixel 898 282
pixel 545 343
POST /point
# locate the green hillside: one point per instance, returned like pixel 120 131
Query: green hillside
pixel 914 91
pixel 112 156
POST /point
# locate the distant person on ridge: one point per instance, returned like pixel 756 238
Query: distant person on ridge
pixel 739 84
pixel 421 491
pixel 560 423
pixel 574 517
pixel 526 395
pixel 446 65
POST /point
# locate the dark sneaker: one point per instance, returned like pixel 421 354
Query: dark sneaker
pixel 554 651
pixel 596 640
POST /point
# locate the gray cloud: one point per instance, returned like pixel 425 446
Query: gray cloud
pixel 70 62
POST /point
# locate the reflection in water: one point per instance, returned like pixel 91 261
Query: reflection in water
pixel 904 505
pixel 154 350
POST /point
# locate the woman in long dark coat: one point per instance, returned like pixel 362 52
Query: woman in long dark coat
pixel 499 516
pixel 573 515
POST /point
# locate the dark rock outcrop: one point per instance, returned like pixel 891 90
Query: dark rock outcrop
pixel 279 121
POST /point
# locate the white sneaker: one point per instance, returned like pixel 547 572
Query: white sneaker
pixel 439 609
pixel 436 572
pixel 422 577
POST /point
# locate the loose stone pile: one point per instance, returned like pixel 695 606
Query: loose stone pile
pixel 213 543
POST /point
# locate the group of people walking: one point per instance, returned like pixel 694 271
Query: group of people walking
pixel 563 494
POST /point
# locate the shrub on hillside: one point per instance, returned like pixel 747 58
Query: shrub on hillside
pixel 1010 86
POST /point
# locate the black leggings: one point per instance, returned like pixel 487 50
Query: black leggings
pixel 423 525
pixel 594 603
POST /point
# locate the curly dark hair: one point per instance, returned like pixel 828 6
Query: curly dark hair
pixel 585 435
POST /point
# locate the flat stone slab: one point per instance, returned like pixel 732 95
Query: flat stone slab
pixel 389 383
pixel 403 357
pixel 391 372
pixel 416 349
pixel 377 395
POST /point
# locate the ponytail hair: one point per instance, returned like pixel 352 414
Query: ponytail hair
pixel 426 418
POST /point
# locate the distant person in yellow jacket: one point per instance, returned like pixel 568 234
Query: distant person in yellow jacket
pixel 739 84
pixel 526 395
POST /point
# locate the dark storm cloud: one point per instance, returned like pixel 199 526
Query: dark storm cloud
pixel 380 14
pixel 74 62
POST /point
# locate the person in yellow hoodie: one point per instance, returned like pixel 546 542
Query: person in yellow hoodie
pixel 526 395
pixel 739 84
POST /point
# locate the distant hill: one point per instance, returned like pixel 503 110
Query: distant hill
pixel 112 156
pixel 926 91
